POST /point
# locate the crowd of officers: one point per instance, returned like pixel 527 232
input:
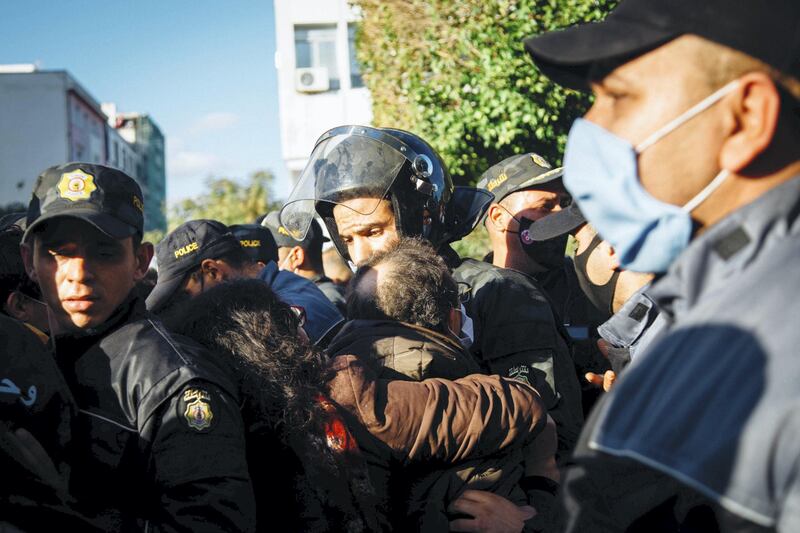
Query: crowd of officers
pixel 624 357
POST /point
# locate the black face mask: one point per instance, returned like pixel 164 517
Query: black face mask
pixel 602 296
pixel 548 254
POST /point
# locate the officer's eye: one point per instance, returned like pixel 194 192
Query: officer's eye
pixel 374 232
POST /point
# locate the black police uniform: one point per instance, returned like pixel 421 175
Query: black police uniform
pixel 580 319
pixel 517 335
pixel 159 422
pixel 159 439
pixel 34 399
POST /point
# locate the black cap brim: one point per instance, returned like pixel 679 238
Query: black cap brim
pixel 105 223
pixel 162 293
pixel 566 56
pixel 557 224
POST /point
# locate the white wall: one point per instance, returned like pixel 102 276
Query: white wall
pixel 304 117
pixel 122 155
pixel 33 130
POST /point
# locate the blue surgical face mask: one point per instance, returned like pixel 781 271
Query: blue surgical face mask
pixel 601 172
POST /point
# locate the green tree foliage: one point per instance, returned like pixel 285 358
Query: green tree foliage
pixel 228 200
pixel 455 72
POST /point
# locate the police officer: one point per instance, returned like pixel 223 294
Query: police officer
pixel 304 258
pixel 157 420
pixel 200 254
pixel 256 242
pixel 687 164
pixel 528 191
pixel 371 185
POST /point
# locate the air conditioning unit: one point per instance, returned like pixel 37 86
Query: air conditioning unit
pixel 312 80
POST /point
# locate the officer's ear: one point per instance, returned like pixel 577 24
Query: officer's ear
pixel 753 110
pixel 496 217
pixel 26 251
pixel 297 256
pixel 17 305
pixel 212 269
pixel 143 255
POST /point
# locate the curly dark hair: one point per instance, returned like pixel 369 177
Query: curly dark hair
pixel 255 334
pixel 415 286
pixel 282 383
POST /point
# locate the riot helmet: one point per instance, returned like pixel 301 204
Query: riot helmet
pixel 380 163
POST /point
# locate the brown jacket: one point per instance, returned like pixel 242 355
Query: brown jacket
pixel 409 430
pixel 404 351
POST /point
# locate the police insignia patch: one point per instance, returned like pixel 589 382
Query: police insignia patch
pixel 198 412
pixel 76 185
pixel 539 160
pixel 520 373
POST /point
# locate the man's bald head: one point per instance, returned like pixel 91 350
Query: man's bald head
pixel 408 283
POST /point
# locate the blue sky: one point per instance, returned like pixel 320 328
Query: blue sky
pixel 203 69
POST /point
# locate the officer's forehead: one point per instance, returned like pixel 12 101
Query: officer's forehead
pixel 363 210
pixel 681 60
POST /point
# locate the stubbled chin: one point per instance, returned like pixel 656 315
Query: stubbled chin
pixel 75 322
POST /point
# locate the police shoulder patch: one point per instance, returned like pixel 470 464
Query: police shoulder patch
pixel 196 409
pixel 520 373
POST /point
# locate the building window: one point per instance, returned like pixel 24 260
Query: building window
pixel 355 68
pixel 315 47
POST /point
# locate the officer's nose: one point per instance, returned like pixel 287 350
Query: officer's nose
pixel 77 270
pixel 361 251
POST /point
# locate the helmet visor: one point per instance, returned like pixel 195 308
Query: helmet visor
pixel 346 164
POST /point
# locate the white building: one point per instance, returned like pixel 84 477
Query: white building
pixel 319 83
pixel 46 118
pixel 121 151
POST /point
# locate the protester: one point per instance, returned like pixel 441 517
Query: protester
pixel 404 317
pixel 370 186
pixel 303 462
pixel 155 416
pixel 687 165
pixel 304 257
pixel 200 254
pixel 413 426
pixel 403 311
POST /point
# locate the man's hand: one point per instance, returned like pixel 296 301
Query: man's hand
pixel 606 381
pixel 490 513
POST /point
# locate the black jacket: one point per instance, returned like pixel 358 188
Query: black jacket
pixel 157 420
pixel 36 417
pixel 517 336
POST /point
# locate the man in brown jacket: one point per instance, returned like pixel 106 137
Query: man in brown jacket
pixel 403 308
